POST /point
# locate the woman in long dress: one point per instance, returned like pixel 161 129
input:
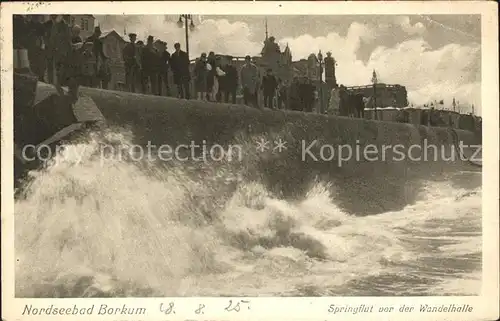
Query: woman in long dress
pixel 211 63
pixel 218 72
pixel 215 89
pixel 334 103
pixel 201 74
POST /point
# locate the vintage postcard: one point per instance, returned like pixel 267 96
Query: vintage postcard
pixel 204 160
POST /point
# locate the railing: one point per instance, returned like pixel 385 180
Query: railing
pixel 371 86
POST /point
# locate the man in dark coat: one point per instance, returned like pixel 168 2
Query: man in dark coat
pixel 283 92
pixel 65 57
pixel 228 84
pixel 140 78
pixel 249 76
pixel 294 95
pixel 49 62
pixel 151 65
pixel 34 36
pixel 99 55
pixel 357 105
pixel 344 101
pixel 269 85
pixel 179 62
pixel 20 29
pixel 60 49
pixel 163 69
pixel 306 90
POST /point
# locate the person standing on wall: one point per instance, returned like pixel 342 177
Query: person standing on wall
pixel 200 77
pixel 229 83
pixel 249 75
pixel 140 78
pixel 67 58
pixel 219 76
pixel 88 64
pixel 163 74
pixel 211 64
pixel 334 103
pixel 21 61
pixel 98 50
pixel 283 94
pixel 306 94
pixel 129 55
pixel 49 51
pixel 343 101
pixel 60 49
pixel 78 61
pixel 36 45
pixel 179 63
pixel 269 86
pixel 294 95
pixel 105 74
pixel 310 95
pixel 151 65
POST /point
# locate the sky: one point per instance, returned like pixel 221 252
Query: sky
pixel 437 57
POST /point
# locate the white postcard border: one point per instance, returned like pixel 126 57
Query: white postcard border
pixel 485 306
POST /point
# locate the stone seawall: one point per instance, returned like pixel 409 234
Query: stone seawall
pixel 317 146
pixel 163 119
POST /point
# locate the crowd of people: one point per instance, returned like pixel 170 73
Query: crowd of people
pixel 214 77
pixel 58 55
pixel 342 102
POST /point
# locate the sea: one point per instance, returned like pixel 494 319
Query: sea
pixel 88 227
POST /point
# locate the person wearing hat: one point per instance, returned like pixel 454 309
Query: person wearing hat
pixel 307 95
pixel 49 59
pixel 151 65
pixel 140 79
pixel 228 84
pixel 294 97
pixel 129 55
pixel 35 45
pixel 59 50
pixel 249 75
pixel 216 94
pixel 179 62
pixel 283 94
pixel 343 101
pixel 22 64
pixel 99 55
pixel 269 85
pixel 164 65
pixel 200 76
pixel 66 59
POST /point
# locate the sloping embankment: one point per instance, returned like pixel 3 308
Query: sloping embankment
pixel 370 173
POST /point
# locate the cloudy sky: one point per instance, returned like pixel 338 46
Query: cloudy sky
pixel 435 57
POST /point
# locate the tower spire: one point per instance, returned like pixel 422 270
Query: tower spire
pixel 266 30
pixel 374 77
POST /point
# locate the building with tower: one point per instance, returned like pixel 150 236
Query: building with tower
pixel 285 68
